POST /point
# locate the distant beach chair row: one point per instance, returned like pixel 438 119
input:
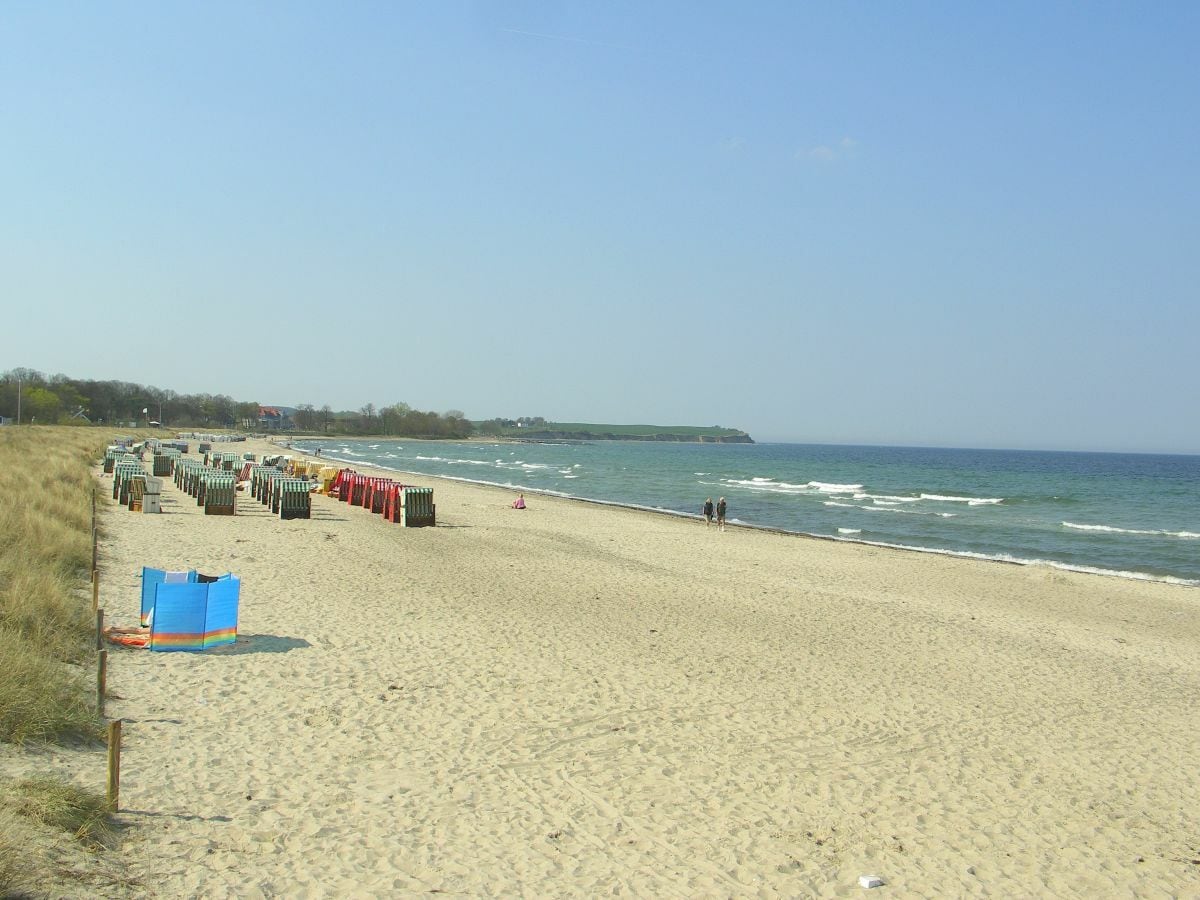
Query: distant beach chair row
pixel 165 459
pixel 405 505
pixel 119 449
pixel 219 460
pixel 134 489
pixel 126 470
pixel 286 495
pixel 214 489
pixel 133 486
pixel 210 438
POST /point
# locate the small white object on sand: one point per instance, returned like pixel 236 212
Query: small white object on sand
pixel 870 881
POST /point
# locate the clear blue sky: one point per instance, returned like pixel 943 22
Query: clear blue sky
pixel 922 223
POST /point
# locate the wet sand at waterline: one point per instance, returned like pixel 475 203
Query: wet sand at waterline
pixel 578 700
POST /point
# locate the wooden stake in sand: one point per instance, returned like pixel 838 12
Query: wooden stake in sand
pixel 99 629
pixel 114 765
pixel 101 679
pixel 95 588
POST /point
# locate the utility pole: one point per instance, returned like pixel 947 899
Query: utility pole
pixel 18 399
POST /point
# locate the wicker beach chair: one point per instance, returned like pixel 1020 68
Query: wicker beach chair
pixel 392 502
pixel 124 470
pixel 220 494
pixel 137 488
pixel 326 478
pixel 164 464
pixel 416 507
pixel 295 502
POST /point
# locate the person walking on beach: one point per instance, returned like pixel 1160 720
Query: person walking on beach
pixel 721 514
pixel 708 512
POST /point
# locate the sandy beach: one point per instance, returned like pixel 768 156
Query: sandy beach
pixel 576 700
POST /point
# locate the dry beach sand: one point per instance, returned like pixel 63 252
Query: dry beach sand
pixel 577 700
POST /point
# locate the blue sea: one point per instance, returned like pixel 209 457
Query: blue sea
pixel 1130 515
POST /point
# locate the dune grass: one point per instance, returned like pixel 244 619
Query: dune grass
pixel 45 560
pixel 43 800
pixel 49 828
pixel 53 838
pixel 10 862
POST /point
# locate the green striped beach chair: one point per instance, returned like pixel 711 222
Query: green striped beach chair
pixel 295 501
pixel 164 463
pixel 124 471
pixel 268 489
pixel 188 473
pixel 417 508
pixel 275 489
pixel 220 491
pixel 260 482
pixel 137 490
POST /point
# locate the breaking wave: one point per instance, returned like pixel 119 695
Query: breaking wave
pixel 1112 529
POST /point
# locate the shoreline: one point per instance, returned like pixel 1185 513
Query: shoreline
pixel 1101 572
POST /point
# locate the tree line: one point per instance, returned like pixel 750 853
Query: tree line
pixel 399 419
pixel 57 399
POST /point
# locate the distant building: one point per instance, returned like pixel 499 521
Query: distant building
pixel 271 418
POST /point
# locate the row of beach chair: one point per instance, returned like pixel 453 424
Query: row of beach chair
pixel 214 489
pixel 401 504
pixel 133 488
pixel 286 495
pixel 280 483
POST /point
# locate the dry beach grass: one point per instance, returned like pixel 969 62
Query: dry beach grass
pixel 576 700
pixel 48 823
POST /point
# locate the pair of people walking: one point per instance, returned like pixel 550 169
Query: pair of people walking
pixel 719 509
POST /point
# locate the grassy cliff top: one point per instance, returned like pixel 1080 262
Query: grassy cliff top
pixel 712 430
pixel 597 431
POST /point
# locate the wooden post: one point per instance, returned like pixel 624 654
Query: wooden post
pixel 101 679
pixel 93 528
pixel 114 765
pixel 99 629
pixel 95 589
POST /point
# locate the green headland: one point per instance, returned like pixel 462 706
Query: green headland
pixel 540 430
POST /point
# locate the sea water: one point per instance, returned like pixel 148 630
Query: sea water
pixel 1131 515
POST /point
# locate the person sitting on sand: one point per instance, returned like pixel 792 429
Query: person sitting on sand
pixel 708 512
pixel 519 503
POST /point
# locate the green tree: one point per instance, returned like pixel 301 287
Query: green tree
pixel 247 415
pixel 41 404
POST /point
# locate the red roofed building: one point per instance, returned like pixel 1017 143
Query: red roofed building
pixel 272 418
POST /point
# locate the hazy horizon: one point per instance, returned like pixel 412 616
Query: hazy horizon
pixel 942 226
pixel 759 438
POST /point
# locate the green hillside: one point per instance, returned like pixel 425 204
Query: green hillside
pixel 589 431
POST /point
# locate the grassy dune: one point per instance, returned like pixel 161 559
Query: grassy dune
pixel 45 558
pixel 48 827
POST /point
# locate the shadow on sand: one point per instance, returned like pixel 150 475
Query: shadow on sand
pixel 261 643
pixel 185 817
